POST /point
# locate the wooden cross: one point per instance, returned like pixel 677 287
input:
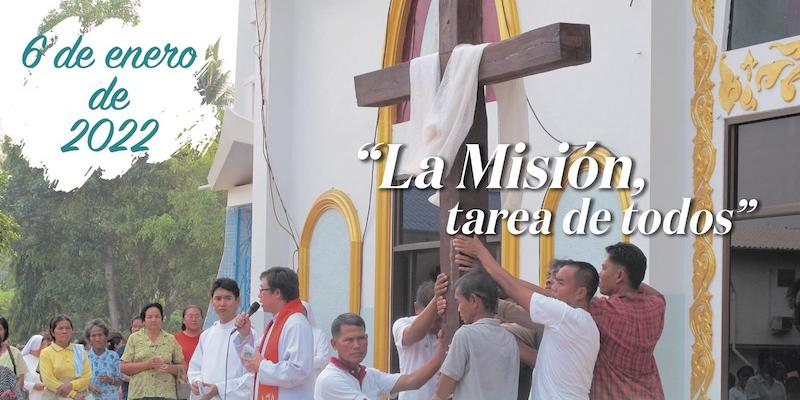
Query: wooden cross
pixel 460 21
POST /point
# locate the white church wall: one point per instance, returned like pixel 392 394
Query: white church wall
pixel 270 243
pixel 246 71
pixel 607 100
pixel 329 44
pixel 626 98
pixel 671 132
pixel 240 195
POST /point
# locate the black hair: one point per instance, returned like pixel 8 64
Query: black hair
pixel 58 318
pixel 140 318
pixel 480 284
pixel 98 323
pixel 4 324
pixel 424 294
pixel 46 336
pixel 557 263
pixel 630 258
pixel 148 306
pixel 283 279
pixel 586 276
pixel 346 319
pixel 745 368
pixel 114 339
pixel 191 306
pixel 227 284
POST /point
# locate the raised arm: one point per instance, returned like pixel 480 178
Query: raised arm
pixel 472 250
pixel 425 320
pixel 416 379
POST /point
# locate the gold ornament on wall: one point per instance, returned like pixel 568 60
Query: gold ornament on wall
pixel 732 90
pixel 788 89
pixel 703 160
pixel 771 72
pixel 791 49
pixel 748 65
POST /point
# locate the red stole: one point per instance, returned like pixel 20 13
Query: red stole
pixel 269 392
pixel 359 373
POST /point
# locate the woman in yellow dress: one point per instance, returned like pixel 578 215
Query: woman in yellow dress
pixel 153 358
pixel 63 366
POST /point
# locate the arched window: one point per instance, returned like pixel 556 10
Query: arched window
pixel 330 258
pixel 588 247
pixel 422 37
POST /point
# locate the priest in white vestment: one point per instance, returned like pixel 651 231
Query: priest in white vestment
pixel 215 372
pixel 283 359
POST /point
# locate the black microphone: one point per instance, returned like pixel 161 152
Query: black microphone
pixel 252 310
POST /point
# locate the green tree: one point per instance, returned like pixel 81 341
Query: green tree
pixel 91 13
pixel 8 227
pixel 109 247
pixel 213 82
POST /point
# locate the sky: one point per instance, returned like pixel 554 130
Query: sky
pixel 40 105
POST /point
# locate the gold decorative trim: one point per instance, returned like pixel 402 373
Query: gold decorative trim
pixel 748 65
pixel 703 160
pixel 333 200
pixel 507 18
pixel 731 89
pixel 508 22
pixel 553 196
pixel 392 54
pixel 791 49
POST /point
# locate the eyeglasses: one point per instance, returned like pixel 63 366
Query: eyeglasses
pixel 270 290
pixel 194 317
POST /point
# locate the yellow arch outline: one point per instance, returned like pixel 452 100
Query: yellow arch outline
pixel 333 199
pixel 508 21
pixel 553 196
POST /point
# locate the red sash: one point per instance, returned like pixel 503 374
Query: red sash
pixel 358 373
pixel 269 392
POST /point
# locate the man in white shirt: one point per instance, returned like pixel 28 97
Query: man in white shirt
pixel 346 379
pixel 737 392
pixel 571 341
pixel 283 361
pixel 415 337
pixel 215 371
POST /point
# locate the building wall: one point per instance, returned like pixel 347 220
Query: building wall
pixel 627 98
pixel 315 48
pixel 758 298
pixel 669 257
pixel 769 104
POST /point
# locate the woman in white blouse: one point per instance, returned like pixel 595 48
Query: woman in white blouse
pixel 33 382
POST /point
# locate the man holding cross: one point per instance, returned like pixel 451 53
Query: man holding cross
pixel 460 22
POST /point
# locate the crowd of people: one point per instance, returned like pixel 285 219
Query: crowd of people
pixel 578 345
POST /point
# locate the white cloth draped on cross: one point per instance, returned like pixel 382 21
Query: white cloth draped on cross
pixel 442 112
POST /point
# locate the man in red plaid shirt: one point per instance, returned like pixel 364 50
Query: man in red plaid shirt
pixel 630 321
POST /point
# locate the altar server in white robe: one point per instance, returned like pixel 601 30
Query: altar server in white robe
pixel 283 359
pixel 322 344
pixel 208 374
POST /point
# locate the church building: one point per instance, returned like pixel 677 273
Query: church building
pixel 700 94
